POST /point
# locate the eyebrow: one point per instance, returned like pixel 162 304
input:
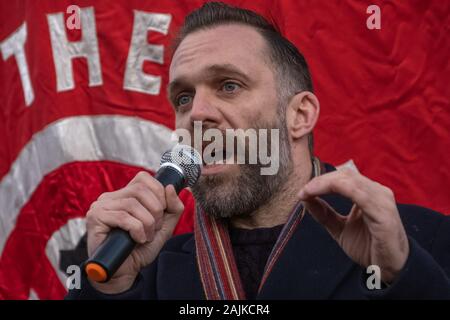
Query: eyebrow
pixel 210 71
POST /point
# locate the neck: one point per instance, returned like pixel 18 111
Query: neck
pixel 277 210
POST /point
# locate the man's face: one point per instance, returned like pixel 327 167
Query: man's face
pixel 223 78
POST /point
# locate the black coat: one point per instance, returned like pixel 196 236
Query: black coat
pixel 312 265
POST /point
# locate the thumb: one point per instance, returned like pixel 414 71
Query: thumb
pixel 324 214
pixel 175 208
pixel 169 223
pixel 174 203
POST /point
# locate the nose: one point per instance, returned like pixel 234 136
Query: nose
pixel 204 109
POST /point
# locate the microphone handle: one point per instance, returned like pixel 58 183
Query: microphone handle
pixel 118 245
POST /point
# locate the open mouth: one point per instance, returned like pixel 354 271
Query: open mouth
pixel 216 157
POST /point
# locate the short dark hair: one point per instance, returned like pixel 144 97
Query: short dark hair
pixel 289 64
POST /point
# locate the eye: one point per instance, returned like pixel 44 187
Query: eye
pixel 183 100
pixel 230 87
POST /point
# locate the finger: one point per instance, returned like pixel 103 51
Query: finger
pixel 355 214
pixel 144 193
pixel 344 182
pixel 172 216
pixel 174 203
pixel 136 209
pixel 324 214
pixel 148 198
pixel 148 180
pixel 123 220
pixel 142 185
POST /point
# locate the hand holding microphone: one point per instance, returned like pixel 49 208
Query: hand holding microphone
pixel 127 228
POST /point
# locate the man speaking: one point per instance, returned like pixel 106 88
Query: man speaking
pixel 306 232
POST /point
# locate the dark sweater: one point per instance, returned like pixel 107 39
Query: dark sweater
pixel 251 250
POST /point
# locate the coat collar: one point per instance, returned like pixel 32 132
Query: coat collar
pixel 311 266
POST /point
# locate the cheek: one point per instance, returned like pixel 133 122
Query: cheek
pixel 181 121
pixel 262 110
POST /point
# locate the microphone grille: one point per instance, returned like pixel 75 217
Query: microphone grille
pixel 188 159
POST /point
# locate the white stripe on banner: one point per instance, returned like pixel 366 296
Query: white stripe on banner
pixel 128 140
pixel 66 238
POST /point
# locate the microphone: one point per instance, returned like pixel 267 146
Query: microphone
pixel 180 167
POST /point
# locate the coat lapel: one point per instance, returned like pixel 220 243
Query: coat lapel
pixel 312 264
pixel 178 275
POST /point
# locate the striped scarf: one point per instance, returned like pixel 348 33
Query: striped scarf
pixel 215 258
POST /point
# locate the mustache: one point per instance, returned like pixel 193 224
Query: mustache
pixel 258 145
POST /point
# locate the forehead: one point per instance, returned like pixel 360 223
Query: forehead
pixel 238 45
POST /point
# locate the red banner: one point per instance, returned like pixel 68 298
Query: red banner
pixel 83 108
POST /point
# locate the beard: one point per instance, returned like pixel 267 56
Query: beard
pixel 238 195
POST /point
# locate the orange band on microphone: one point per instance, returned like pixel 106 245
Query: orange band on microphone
pixel 96 272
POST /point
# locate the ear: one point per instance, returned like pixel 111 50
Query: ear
pixel 302 114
